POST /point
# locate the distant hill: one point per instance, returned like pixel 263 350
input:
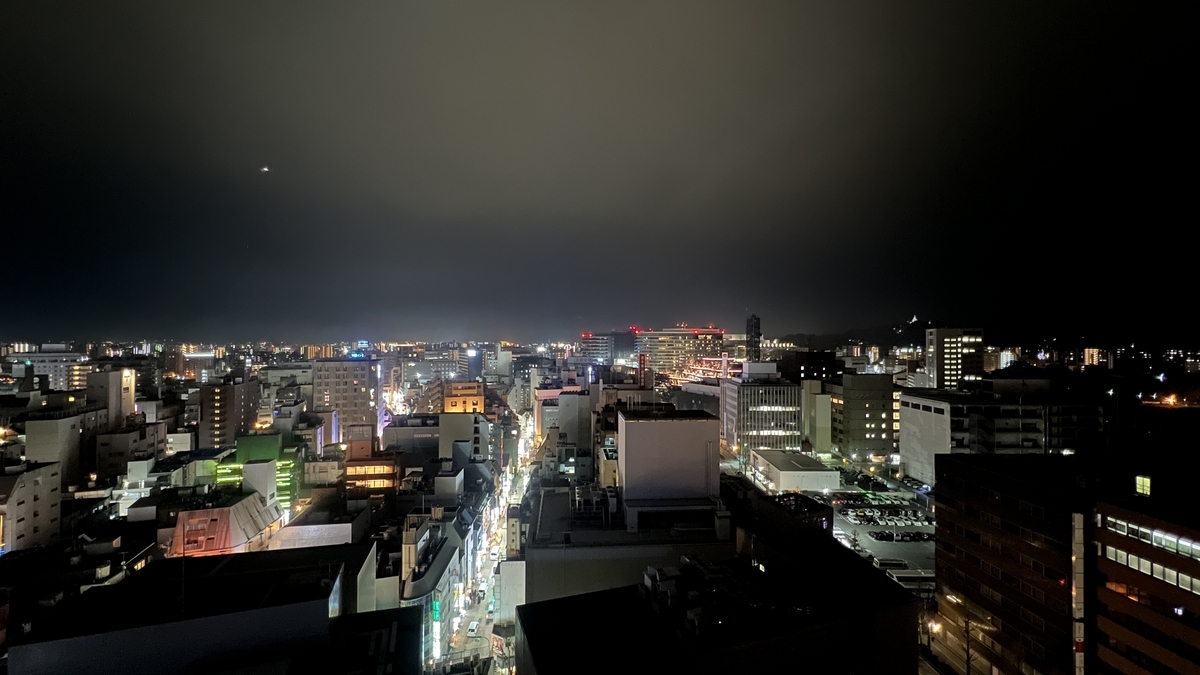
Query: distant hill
pixel 884 336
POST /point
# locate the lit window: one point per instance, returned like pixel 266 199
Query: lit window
pixel 1143 485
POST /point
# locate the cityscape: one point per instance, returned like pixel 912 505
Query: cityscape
pixel 540 338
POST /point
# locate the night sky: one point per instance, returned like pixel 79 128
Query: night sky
pixel 530 170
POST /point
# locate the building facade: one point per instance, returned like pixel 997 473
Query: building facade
pixel 64 371
pixel 670 350
pixel 1009 562
pixel 864 412
pixel 761 411
pixel 351 387
pixel 953 355
pixel 228 410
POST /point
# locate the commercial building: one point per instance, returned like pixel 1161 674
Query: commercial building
pixel 864 412
pixel 64 371
pixel 779 471
pixel 953 355
pixel 351 387
pixel 1010 559
pixel 607 348
pixel 761 411
pixel 670 350
pixel 228 410
pixel 468 362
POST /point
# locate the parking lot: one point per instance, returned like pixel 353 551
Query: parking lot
pixel 902 529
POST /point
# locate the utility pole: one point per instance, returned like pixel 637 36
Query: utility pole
pixel 967 618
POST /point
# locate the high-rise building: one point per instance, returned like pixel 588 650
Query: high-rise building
pixel 670 350
pixel 953 355
pixel 864 413
pixel 607 348
pixel 761 411
pixel 64 371
pixel 351 387
pixel 228 409
pixel 753 338
pixel 1010 563
pixel 469 362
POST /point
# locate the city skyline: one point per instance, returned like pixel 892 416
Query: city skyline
pixel 829 168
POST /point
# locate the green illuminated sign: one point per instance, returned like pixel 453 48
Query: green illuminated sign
pixel 437 611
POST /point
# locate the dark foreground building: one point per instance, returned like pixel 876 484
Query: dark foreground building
pixel 704 618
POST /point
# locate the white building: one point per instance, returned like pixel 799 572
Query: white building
pixel 667 460
pixel 761 411
pixel 64 371
pixel 29 506
pixel 115 390
pixel 781 471
pixel 670 350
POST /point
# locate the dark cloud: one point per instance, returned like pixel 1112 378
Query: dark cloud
pixel 533 169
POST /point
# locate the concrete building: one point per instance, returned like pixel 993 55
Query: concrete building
pixel 779 471
pixel 816 416
pixel 761 411
pixel 1148 579
pixel 1010 563
pixel 667 461
pixel 228 410
pixel 64 371
pixel 670 350
pixel 29 505
pixel 139 442
pixel 607 348
pixel 709 615
pixel 864 414
pixel 463 397
pixel 351 386
pixel 115 390
pixel 297 610
pixel 1033 421
pixel 953 355
pixel 64 436
pixel 230 522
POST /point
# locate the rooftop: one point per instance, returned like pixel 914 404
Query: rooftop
pixel 791 461
pixel 639 414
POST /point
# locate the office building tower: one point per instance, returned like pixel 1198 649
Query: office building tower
pixel 228 409
pixel 1010 563
pixel 351 387
pixel 864 414
pixel 469 363
pixel 953 355
pixel 761 411
pixel 670 350
pixel 753 339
